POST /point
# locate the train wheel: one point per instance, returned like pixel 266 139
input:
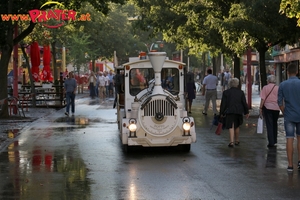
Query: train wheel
pixel 186 147
pixel 126 148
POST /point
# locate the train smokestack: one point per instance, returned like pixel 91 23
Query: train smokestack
pixel 157 60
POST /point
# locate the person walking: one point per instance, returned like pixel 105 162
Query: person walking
pixel 97 85
pixel 289 104
pixel 226 78
pixel 102 82
pixel 110 76
pixel 190 90
pixel 269 109
pixel 70 86
pixel 233 105
pixel 257 79
pixel 92 83
pixel 105 74
pixel 209 89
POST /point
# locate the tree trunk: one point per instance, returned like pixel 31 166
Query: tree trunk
pixel 237 68
pixel 262 67
pixel 30 76
pixel 5 57
pixel 214 62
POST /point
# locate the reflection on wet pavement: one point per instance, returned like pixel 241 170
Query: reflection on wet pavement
pixel 83 121
pixel 42 173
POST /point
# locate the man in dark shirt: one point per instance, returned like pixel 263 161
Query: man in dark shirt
pixel 70 87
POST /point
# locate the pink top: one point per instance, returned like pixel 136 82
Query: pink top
pixel 271 101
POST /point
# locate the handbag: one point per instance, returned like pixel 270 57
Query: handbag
pixel 260 124
pixel 216 120
pixel 219 128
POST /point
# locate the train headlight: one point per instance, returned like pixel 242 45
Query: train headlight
pixel 186 126
pixel 132 125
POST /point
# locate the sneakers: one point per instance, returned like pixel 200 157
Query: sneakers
pixel 66 113
pixel 204 113
pixel 290 169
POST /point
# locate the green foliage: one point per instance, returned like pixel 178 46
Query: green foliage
pixel 291 8
pixel 79 51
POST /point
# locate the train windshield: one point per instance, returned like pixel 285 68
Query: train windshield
pixel 140 78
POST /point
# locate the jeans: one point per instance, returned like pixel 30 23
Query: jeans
pixel 97 90
pixel 70 98
pixel 271 118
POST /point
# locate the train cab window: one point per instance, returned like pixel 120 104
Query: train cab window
pixel 170 80
pixel 139 79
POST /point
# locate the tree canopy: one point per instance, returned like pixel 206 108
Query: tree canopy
pixel 228 26
pixel 291 8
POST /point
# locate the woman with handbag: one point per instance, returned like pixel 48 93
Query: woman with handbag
pixel 269 109
pixel 233 105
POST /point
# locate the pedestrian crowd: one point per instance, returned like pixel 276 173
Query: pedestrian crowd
pixel 101 85
pixel 274 98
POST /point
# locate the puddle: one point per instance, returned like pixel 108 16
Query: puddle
pixel 82 120
pixel 73 120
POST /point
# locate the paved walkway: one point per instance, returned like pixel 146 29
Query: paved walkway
pixel 10 128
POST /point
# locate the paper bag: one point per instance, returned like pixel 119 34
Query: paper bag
pixel 260 126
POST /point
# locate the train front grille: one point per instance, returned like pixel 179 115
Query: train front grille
pixel 159 106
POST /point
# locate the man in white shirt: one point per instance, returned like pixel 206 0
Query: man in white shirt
pixel 209 89
pixel 102 82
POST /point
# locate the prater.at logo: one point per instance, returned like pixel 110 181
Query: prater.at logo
pixel 50 18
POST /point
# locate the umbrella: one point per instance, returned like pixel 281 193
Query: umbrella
pixel 46 73
pixel 35 60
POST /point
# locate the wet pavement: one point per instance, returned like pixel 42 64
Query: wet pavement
pixel 81 157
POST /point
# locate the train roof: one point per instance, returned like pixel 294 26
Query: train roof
pixel 172 62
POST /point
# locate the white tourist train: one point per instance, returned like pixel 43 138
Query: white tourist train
pixel 151 104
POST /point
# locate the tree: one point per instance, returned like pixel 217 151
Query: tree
pixel 79 51
pixel 227 26
pixel 258 24
pixel 8 40
pixel 187 23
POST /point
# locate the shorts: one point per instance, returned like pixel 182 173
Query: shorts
pixel 290 127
